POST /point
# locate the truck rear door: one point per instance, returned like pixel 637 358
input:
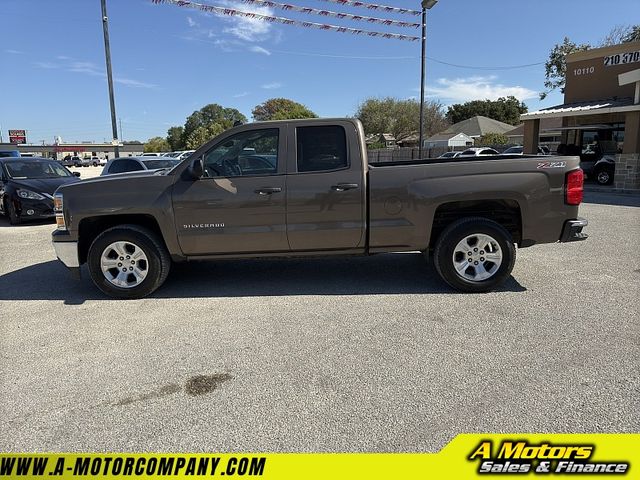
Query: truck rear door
pixel 326 191
pixel 238 206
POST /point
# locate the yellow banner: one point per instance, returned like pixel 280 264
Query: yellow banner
pixel 467 456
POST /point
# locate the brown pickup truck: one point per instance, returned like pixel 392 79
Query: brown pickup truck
pixel 304 187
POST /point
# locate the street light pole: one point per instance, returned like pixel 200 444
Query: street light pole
pixel 426 5
pixel 107 53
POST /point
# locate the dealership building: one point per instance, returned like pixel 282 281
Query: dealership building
pixel 601 107
pixel 60 150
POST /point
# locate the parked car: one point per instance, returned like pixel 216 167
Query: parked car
pixel 312 192
pixel 97 161
pixel 9 153
pixel 180 155
pixel 152 154
pixel 27 186
pixel 75 161
pixel 519 150
pixel 478 152
pixel 450 155
pixel 134 164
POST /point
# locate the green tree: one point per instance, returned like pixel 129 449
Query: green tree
pixel 490 139
pixel 208 115
pixel 401 118
pixel 281 109
pixel 556 67
pixel 175 139
pixel 202 135
pixel 507 110
pixel 622 34
pixel 156 144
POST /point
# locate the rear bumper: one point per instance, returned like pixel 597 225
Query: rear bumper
pixel 572 230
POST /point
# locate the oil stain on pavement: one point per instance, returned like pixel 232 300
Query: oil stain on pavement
pixel 201 384
pixel 196 385
pixel 161 392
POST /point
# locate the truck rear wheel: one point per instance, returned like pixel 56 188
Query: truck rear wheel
pixel 474 254
pixel 128 261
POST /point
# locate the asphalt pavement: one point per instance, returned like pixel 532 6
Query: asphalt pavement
pixel 359 354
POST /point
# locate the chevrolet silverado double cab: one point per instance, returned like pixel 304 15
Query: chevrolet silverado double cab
pixel 305 188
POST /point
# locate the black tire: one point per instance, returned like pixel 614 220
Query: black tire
pixel 603 175
pixel 443 255
pixel 10 212
pixel 158 260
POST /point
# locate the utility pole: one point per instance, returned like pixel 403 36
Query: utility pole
pixel 120 122
pixel 426 5
pixel 107 53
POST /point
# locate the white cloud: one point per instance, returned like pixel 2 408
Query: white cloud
pixel 477 88
pixel 248 29
pixel 240 95
pixel 133 83
pixel 192 22
pixel 14 52
pixel 90 68
pixel 257 49
pixel 271 86
pixel 63 57
pixel 46 65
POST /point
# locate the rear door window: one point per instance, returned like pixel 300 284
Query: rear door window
pixel 321 148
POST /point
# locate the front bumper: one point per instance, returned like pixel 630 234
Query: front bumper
pixel 572 230
pixel 67 253
pixel 35 209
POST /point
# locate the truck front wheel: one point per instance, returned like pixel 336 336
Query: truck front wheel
pixel 128 261
pixel 474 254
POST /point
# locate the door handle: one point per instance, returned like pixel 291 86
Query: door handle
pixel 268 190
pixel 341 187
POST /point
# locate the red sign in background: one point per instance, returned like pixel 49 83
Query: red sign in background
pixel 17 136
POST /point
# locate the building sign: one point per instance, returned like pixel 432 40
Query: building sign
pixel 622 59
pixel 17 136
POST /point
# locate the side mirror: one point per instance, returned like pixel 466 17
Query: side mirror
pixel 196 169
pixel 76 174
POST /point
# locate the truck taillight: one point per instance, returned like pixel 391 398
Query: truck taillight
pixel 573 190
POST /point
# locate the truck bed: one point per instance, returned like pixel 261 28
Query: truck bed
pixel 407 199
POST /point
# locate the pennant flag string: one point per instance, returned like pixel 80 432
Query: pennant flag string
pixel 285 21
pixel 373 6
pixel 328 13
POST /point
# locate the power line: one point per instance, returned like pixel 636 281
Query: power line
pixel 408 57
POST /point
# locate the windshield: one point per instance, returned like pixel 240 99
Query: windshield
pixel 36 169
pixel 166 163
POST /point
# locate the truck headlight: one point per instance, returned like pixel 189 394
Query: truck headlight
pixel 28 194
pixel 58 209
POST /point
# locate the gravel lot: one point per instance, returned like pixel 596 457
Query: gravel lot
pixel 360 354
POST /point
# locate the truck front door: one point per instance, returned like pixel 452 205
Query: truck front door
pixel 238 206
pixel 325 188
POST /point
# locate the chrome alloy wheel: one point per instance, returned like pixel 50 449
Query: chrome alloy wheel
pixel 603 177
pixel 477 257
pixel 124 264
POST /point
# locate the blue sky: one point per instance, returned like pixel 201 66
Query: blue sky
pixel 169 61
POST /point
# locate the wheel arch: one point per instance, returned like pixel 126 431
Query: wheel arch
pixel 90 227
pixel 506 212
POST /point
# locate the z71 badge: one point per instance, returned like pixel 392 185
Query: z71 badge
pixel 552 164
